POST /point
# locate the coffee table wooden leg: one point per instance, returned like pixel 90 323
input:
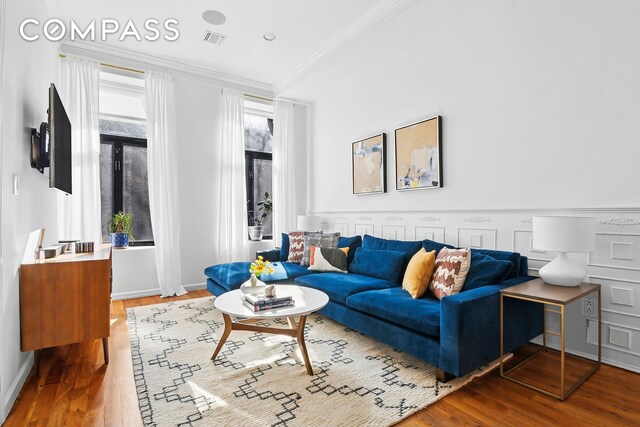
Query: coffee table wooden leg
pixel 227 330
pixel 303 346
pixel 292 323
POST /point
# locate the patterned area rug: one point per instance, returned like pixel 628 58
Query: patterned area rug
pixel 260 380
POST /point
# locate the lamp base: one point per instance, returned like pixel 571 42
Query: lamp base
pixel 563 271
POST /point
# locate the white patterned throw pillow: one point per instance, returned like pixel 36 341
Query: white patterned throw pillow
pixel 451 269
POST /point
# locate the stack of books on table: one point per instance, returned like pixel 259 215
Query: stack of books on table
pixel 260 302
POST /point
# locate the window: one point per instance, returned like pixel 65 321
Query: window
pixel 258 141
pixel 123 154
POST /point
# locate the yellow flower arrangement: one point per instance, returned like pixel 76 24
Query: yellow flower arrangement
pixel 260 266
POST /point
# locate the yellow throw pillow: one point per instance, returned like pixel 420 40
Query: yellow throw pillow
pixel 418 275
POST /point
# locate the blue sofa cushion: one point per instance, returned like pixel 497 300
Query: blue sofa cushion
pixel 430 245
pixel 338 286
pixel 409 248
pixel 385 265
pixel 513 257
pixel 284 247
pixel 231 275
pixel 353 243
pixel 397 306
pixel 485 270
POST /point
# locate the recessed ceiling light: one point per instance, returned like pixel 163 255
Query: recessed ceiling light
pixel 269 37
pixel 214 17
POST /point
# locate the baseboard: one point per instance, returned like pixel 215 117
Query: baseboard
pixel 195 286
pixel 12 394
pixel 152 292
pixel 591 356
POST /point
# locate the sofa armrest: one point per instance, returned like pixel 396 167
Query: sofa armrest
pixel 470 326
pixel 271 255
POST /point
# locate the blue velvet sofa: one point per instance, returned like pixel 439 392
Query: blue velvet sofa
pixel 457 334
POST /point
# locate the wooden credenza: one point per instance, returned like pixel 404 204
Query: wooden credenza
pixel 66 300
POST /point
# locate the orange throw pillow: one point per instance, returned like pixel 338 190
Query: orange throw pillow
pixel 418 274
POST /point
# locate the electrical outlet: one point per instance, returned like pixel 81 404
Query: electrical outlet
pixel 588 307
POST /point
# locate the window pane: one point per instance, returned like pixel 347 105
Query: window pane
pixel 261 184
pixel 130 128
pixel 257 134
pixel 106 186
pixel 135 197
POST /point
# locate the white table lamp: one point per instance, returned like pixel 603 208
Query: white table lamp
pixel 564 234
pixel 309 223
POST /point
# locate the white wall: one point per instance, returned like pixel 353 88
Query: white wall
pixel 29 68
pixel 539 100
pixel 198 107
pixel 540 103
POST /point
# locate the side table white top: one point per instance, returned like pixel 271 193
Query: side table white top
pixel 307 300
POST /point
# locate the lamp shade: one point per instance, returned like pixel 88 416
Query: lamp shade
pixel 564 233
pixel 309 223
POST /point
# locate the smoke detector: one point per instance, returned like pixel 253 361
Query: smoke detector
pixel 214 38
pixel 214 17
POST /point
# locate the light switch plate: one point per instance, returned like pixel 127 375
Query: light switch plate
pixel 16 185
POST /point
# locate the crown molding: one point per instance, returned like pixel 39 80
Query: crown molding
pixel 127 58
pixel 367 23
pixel 620 208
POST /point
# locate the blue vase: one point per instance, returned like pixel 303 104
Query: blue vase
pixel 120 240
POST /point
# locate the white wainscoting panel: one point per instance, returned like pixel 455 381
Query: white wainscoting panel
pixel 341 227
pixel 620 337
pixel 394 232
pixel 616 250
pixel 477 238
pixel 362 229
pixel 431 233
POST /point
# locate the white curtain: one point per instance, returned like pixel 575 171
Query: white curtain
pixel 79 215
pixel 284 175
pixel 231 236
pixel 162 170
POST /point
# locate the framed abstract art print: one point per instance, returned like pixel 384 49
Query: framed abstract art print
pixel 418 155
pixel 369 165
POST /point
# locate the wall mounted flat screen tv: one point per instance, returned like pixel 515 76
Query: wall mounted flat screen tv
pixel 60 161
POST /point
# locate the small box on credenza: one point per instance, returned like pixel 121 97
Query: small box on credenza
pixel 53 251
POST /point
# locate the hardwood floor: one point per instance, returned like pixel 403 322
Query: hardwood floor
pixel 76 388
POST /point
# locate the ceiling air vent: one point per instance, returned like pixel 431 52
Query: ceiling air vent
pixel 214 38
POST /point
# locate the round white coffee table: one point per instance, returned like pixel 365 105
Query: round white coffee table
pixel 307 301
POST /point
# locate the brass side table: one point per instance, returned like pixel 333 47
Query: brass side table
pixel 558 296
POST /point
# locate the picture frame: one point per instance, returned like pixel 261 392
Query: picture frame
pixel 369 165
pixel 418 155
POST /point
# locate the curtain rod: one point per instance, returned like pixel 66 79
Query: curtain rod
pixel 117 67
pixel 248 95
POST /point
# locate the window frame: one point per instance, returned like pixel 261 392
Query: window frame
pixel 117 143
pixel 249 157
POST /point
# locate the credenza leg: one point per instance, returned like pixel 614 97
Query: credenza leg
pixel 36 356
pixel 105 349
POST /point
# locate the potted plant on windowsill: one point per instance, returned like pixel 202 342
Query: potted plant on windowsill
pixel 256 226
pixel 120 227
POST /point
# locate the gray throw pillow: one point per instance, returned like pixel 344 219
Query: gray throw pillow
pixel 320 240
